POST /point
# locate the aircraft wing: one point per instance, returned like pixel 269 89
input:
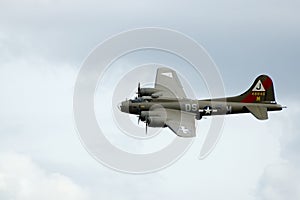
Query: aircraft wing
pixel 181 123
pixel 168 84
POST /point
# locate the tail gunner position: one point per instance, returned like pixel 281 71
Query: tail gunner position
pixel 166 105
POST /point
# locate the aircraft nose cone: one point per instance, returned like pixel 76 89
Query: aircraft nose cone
pixel 124 106
pixel 119 106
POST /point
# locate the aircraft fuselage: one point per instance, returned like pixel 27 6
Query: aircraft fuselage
pixel 202 107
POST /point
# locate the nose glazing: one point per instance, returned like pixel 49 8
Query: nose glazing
pixel 124 106
pixel 119 106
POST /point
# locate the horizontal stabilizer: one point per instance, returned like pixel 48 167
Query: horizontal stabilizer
pixel 259 112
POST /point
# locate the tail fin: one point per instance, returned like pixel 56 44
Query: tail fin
pixel 262 90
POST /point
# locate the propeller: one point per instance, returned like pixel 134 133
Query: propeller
pixel 139 117
pixel 146 126
pixel 145 119
pixel 139 90
pixel 146 122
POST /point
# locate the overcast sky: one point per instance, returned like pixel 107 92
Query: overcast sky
pixel 42 46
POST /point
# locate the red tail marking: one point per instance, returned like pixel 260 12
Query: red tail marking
pixel 267 83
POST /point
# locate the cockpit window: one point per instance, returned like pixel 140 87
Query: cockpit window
pixel 137 100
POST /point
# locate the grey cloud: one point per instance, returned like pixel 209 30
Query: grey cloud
pixel 69 30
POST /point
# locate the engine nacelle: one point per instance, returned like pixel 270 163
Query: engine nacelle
pixel 147 91
pixel 144 115
pixel 156 122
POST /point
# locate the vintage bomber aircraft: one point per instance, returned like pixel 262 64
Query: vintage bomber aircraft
pixel 166 105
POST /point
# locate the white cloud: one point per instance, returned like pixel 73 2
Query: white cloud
pixel 279 182
pixel 22 179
